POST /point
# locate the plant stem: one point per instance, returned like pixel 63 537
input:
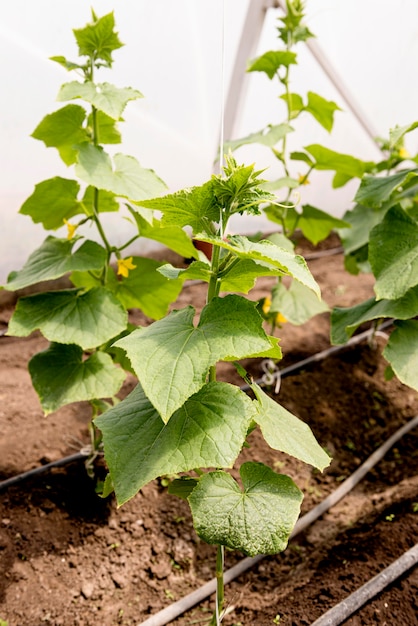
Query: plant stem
pixel 220 558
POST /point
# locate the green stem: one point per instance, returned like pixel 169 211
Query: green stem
pixel 220 587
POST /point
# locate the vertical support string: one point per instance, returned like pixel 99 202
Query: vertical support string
pixel 222 125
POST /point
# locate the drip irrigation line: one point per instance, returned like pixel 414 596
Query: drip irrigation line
pixel 181 606
pixel 14 480
pixel 341 611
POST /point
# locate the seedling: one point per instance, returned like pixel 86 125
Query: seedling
pixel 180 419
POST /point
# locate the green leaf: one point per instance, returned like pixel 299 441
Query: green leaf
pixel 173 237
pixel 375 190
pixel 397 134
pixel 343 164
pixel 294 104
pixel 182 487
pixel 147 289
pixel 284 182
pixel 393 254
pixel 68 65
pixel 402 352
pixel 243 274
pixel 60 376
pixel 296 303
pixel 53 201
pixel 172 357
pixel 322 110
pixel 106 201
pixel 272 61
pixel 286 432
pixel 124 177
pixel 193 207
pixel 87 319
pixel 55 258
pixel 63 129
pixel 344 321
pixel 269 137
pixel 107 131
pixel 105 97
pixel 198 270
pixel 361 219
pixel 207 431
pixel 256 520
pixel 316 225
pixel 302 156
pixel 267 254
pixel 98 39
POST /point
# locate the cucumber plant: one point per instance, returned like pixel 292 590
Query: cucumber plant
pixel 180 419
pixel 383 238
pixel 81 321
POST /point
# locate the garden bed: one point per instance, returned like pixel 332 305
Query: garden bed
pixel 69 558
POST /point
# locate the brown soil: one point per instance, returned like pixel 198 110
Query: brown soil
pixel 69 558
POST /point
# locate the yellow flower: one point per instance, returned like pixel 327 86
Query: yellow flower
pixel 124 265
pixel 266 306
pixel 303 179
pixel 280 319
pixel 71 228
pixel 404 154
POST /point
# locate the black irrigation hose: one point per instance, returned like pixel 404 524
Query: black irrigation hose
pixel 14 480
pixel 341 611
pixel 181 606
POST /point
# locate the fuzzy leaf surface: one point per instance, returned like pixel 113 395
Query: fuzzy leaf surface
pixel 52 201
pixel 393 254
pixel 105 97
pixel 61 376
pixel 86 319
pixel 402 352
pixel 207 431
pixel 257 519
pixel 344 321
pixel 124 177
pixel 285 432
pixel 172 356
pixel 54 258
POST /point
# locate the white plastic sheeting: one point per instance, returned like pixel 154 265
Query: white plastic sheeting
pixel 173 55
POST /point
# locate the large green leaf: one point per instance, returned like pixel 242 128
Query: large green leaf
pixel 343 164
pixel 105 97
pixel 86 319
pixel 285 432
pixel 172 356
pixel 402 352
pixel 256 520
pixel 322 110
pixel 393 254
pixel 243 274
pixel 316 225
pixel 207 431
pixel 269 255
pixel 60 376
pixel 124 177
pixel 375 190
pixel 361 219
pixel 296 303
pixel 53 201
pixel 269 136
pixel 193 207
pixel 63 129
pixel 344 321
pixel 173 237
pixel 272 61
pixel 147 289
pixel 54 259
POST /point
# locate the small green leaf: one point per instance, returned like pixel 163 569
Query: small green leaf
pixel 402 352
pixel 53 201
pixel 294 104
pixel 344 321
pixel 61 376
pixel 272 61
pixel 124 177
pixel 55 258
pixel 207 431
pixel 316 225
pixel 172 357
pixel 173 237
pixel 269 136
pixel 361 219
pixel 343 164
pixel 63 129
pixel 286 432
pixel 375 190
pixel 105 97
pixel 397 134
pixel 182 487
pixel 322 110
pixel 106 201
pixel 393 254
pixel 296 303
pixel 147 289
pixel 87 319
pixel 98 39
pixel 68 65
pixel 243 274
pixel 256 520
pixel 197 270
pixel 107 132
